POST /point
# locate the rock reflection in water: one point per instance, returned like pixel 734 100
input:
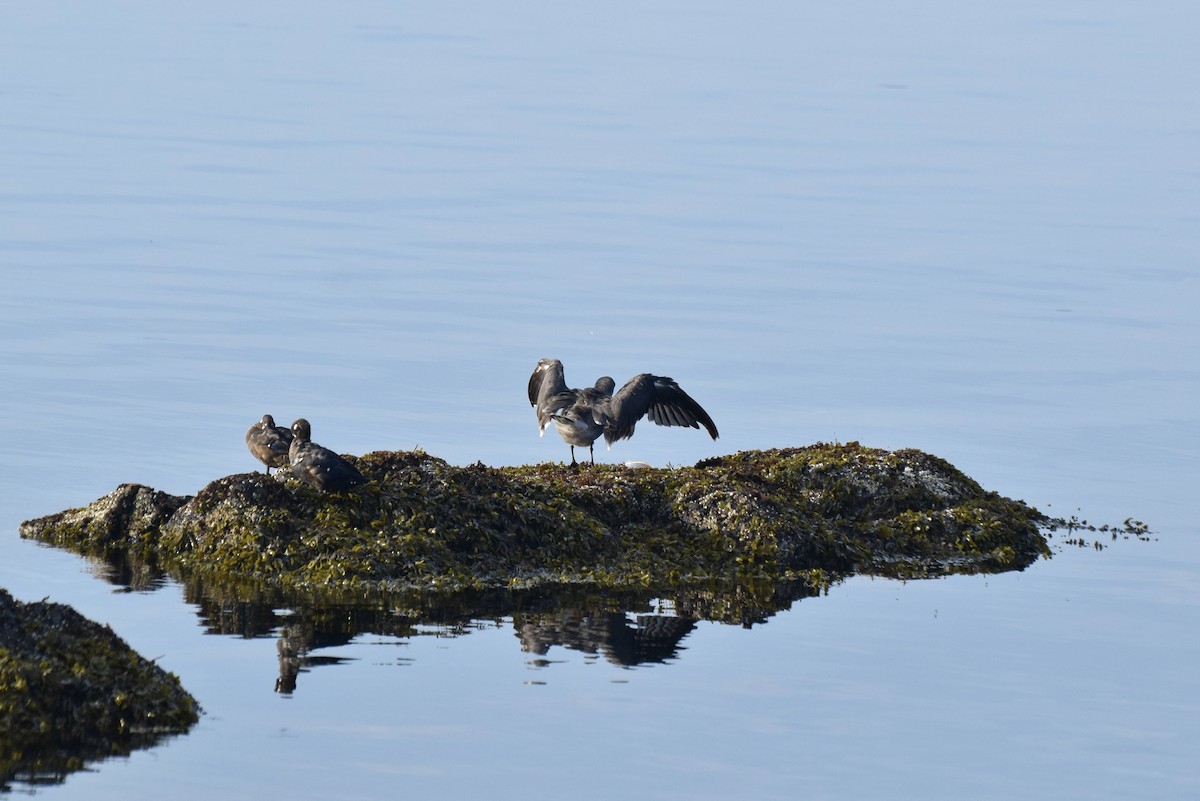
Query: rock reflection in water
pixel 627 628
pixel 129 572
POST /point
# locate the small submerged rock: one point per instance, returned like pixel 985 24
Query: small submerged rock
pixel 72 691
pixel 423 523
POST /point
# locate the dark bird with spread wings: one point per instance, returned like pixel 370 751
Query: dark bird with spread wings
pixel 582 415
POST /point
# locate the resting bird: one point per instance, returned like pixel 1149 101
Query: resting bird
pixel 582 415
pixel 320 466
pixel 269 443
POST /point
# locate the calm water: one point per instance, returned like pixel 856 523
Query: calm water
pixel 969 229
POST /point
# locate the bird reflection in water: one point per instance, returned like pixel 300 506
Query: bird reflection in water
pixel 294 646
pixel 651 638
pixel 626 629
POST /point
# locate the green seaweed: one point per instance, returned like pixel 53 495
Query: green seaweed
pixel 72 691
pixel 421 523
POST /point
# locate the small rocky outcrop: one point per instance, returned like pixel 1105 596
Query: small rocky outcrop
pixel 72 691
pixel 128 518
pixel 422 523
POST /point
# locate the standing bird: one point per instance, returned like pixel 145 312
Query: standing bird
pixel 582 415
pixel 269 443
pixel 320 466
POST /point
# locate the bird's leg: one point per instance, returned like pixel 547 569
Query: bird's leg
pixel 573 462
pixel 592 453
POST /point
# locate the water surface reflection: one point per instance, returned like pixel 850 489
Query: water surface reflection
pixel 626 628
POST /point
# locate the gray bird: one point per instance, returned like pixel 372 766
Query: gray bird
pixel 320 467
pixel 269 443
pixel 582 415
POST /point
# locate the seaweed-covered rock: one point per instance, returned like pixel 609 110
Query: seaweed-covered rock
pixel 423 523
pixel 71 690
pixel 121 520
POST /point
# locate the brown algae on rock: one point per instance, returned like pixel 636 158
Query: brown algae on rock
pixel 421 523
pixel 72 691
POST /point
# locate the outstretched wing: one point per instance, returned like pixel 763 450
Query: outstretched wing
pixel 548 393
pixel 656 397
pixel 535 384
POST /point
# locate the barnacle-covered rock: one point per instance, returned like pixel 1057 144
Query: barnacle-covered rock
pixel 423 523
pixel 120 521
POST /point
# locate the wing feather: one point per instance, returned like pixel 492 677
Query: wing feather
pixel 660 399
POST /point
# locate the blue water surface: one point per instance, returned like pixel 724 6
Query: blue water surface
pixel 966 228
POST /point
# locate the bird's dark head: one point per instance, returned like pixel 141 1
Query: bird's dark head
pixel 301 430
pixel 606 385
pixel 268 421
